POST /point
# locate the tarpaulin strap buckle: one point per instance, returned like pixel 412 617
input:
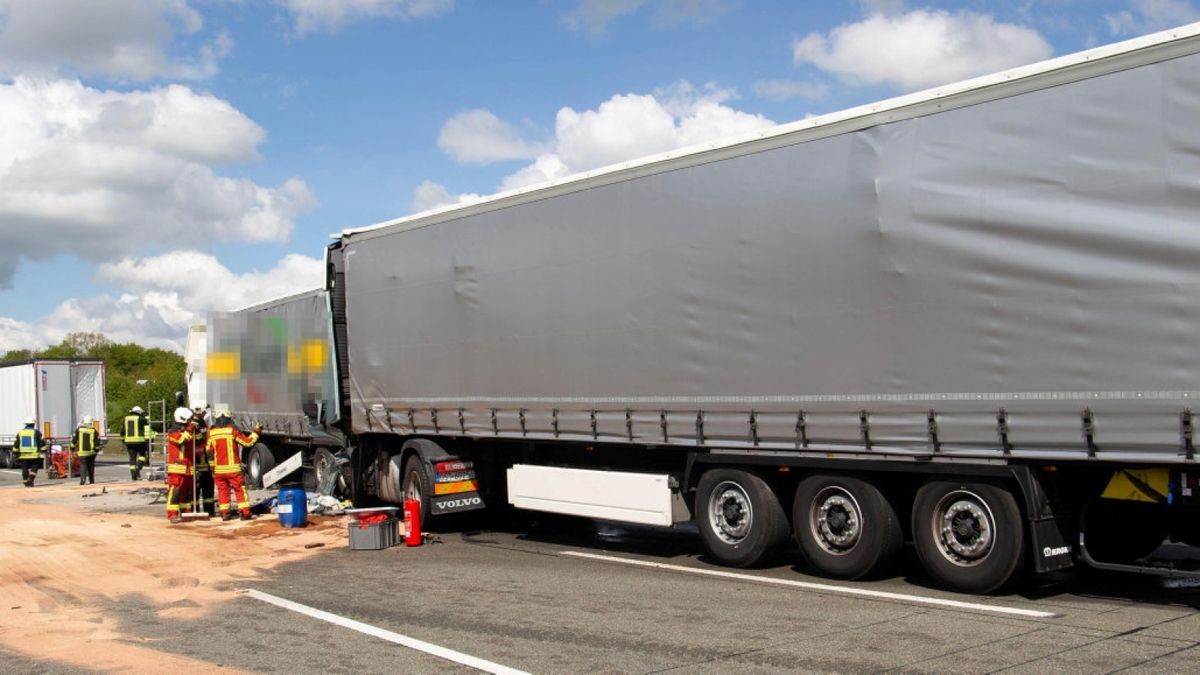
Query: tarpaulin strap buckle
pixel 699 427
pixel 595 429
pixel 554 421
pixel 933 431
pixel 753 427
pixel 1002 431
pixel 864 423
pixel 495 424
pixel 629 423
pixel 433 418
pixel 1185 430
pixel 662 422
pixel 521 417
pixel 1089 431
pixel 801 430
pixel 412 420
pixel 462 423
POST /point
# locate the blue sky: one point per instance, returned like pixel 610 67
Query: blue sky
pixel 164 158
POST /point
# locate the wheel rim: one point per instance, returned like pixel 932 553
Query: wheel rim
pixel 835 520
pixel 730 512
pixel 255 468
pixel 413 489
pixel 964 528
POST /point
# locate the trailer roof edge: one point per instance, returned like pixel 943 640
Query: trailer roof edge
pixel 1103 60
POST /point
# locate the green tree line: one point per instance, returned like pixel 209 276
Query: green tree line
pixel 133 374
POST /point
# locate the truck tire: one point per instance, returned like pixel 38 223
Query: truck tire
pixel 417 484
pixel 388 488
pixel 846 528
pixel 740 518
pixel 8 458
pixel 970 537
pixel 323 462
pixel 260 461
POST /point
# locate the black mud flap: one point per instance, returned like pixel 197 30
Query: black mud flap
pixel 455 486
pixel 456 503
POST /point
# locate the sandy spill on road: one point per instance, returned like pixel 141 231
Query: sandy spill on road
pixel 64 561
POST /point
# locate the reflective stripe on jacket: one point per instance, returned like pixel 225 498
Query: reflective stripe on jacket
pixel 29 443
pixel 84 441
pixel 134 430
pixel 179 460
pixel 223 448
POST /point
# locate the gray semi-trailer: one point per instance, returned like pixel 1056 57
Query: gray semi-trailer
pixel 966 318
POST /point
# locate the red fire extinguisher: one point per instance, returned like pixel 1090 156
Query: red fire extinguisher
pixel 412 522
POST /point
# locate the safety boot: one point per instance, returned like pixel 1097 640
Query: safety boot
pixel 175 520
pixel 247 516
pixel 226 517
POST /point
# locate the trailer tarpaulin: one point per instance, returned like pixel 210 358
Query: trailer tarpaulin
pixel 1015 275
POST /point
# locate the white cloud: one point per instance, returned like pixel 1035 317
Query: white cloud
pixel 311 16
pixel 160 296
pixel 594 16
pixel 920 49
pixel 126 39
pixel 783 90
pixel 430 195
pixel 99 173
pixel 479 137
pixel 624 127
pixel 1148 16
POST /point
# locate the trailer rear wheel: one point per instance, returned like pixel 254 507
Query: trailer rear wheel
pixel 260 461
pixel 846 527
pixel 417 484
pixel 969 536
pixel 740 519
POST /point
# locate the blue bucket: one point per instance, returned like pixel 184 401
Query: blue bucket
pixel 293 507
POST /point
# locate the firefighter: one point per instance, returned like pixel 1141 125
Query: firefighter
pixel 84 443
pixel 205 490
pixel 224 451
pixel 29 447
pixel 136 433
pixel 179 464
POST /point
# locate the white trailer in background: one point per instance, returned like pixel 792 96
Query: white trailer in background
pixel 56 394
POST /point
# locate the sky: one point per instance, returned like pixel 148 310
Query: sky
pixel 161 159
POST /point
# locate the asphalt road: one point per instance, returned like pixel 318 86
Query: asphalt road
pixel 518 597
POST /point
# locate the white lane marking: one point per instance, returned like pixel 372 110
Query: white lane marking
pixel 826 588
pixel 373 631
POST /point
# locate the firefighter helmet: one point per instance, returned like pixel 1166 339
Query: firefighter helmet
pixel 86 421
pixel 30 421
pixel 136 410
pixel 182 415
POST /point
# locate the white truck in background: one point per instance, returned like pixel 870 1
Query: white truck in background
pixel 57 394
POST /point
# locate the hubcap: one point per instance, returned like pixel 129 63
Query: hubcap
pixel 730 512
pixel 836 520
pixel 413 489
pixel 964 528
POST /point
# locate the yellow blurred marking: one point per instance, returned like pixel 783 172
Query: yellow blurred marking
pixel 316 355
pixel 223 365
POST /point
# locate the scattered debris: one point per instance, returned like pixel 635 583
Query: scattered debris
pixel 314 545
pixel 126 525
pixel 264 507
pixel 431 538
